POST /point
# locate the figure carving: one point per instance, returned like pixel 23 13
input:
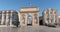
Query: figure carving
pixel 23 18
pixel 35 17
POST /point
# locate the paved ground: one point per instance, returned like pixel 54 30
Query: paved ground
pixel 29 29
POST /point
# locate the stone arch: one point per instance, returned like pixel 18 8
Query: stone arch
pixel 29 14
pixel 29 19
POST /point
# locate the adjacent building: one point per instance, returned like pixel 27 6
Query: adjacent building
pixel 7 17
pixel 50 16
pixel 58 21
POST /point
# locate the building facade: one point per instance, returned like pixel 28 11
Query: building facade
pixel 59 21
pixel 29 16
pixel 7 17
pixel 50 16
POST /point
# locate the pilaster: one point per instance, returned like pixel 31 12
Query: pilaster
pixel 11 19
pixel 6 18
pixel 2 17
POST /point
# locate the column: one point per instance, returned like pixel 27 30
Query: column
pixel 57 20
pixel 50 21
pixel 45 19
pixel 38 18
pixel 19 16
pixel 11 18
pixel 35 20
pixel 54 20
pixel 2 17
pixel 7 18
pixel 26 19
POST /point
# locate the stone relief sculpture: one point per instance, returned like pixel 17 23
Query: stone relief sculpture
pixel 35 17
pixel 23 18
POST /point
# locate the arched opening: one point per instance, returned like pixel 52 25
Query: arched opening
pixel 29 20
pixel 40 22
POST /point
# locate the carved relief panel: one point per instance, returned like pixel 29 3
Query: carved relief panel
pixel 35 19
pixel 23 18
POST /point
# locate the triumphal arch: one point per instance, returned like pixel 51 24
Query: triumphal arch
pixel 29 16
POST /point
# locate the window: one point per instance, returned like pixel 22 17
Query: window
pixel 47 12
pixel 4 12
pixel 47 20
pixel 51 21
pixel 13 17
pixel 55 21
pixel 0 16
pixel 51 16
pixel 0 19
pixel 54 12
pixel 47 16
pixel 0 12
pixel 0 22
pixel 51 12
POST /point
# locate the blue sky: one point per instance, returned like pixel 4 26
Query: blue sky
pixel 17 4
